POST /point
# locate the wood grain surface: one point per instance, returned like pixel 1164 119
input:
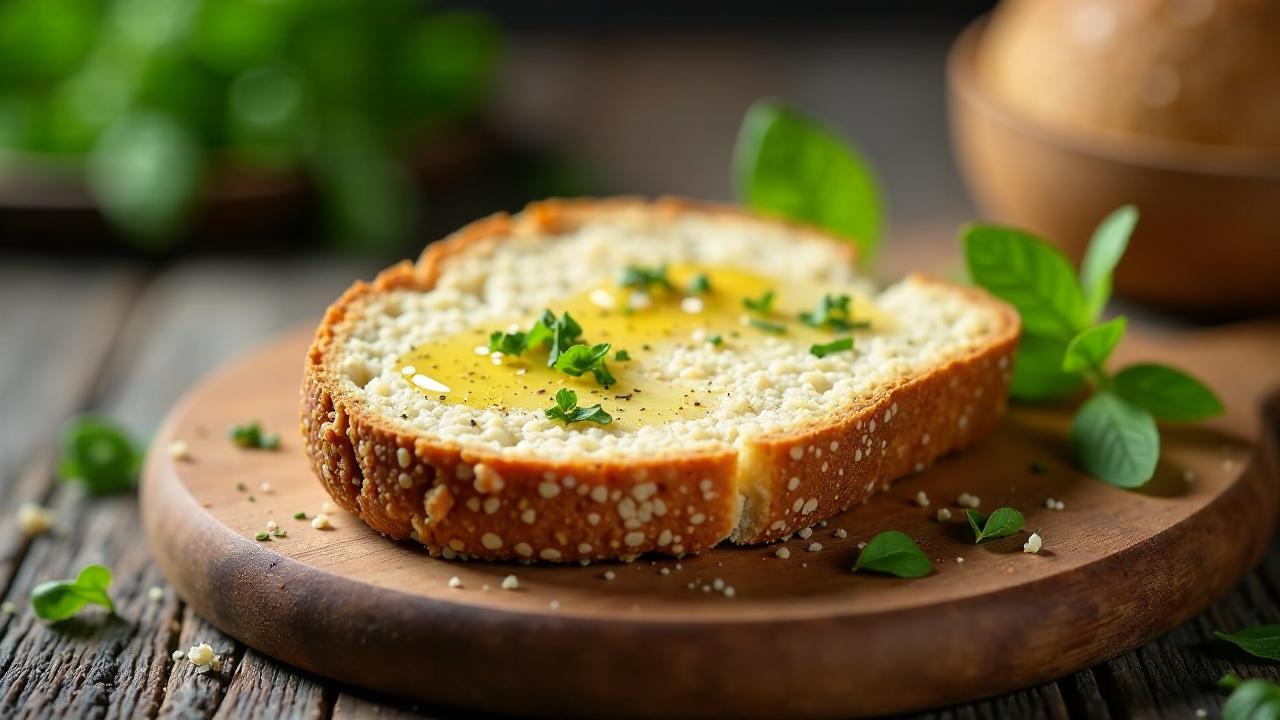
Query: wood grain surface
pixel 1114 572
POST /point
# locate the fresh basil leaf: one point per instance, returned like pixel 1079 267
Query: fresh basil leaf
pixel 622 356
pixel 1037 371
pixel 1003 522
pixel 515 343
pixel 762 304
pixel 580 359
pixel 1115 441
pixel 1250 699
pixel 834 346
pixel 566 399
pixel 1029 274
pixel 700 284
pixel 1262 641
pixel 787 164
pixel 1167 393
pixel 893 553
pixel 1105 250
pixel 1092 347
pixel 60 599
pixel 99 454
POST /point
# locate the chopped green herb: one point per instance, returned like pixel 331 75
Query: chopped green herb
pixel 280 533
pixel 622 356
pixel 1250 699
pixel 250 435
pixel 700 284
pixel 581 359
pixel 762 304
pixel 253 499
pixel 833 313
pixel 262 535
pixel 639 277
pixel 564 332
pixel 1003 522
pixel 100 455
pixel 241 487
pixel 834 346
pixel 766 326
pixel 715 340
pixel 515 343
pixel 60 599
pixel 1261 641
pixel 566 410
pixel 300 515
pixel 893 553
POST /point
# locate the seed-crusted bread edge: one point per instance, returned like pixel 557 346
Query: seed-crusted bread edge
pixel 471 503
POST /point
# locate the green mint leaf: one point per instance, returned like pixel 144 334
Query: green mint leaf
pixel 1115 441
pixel 60 599
pixel 1029 274
pixel 700 284
pixel 893 553
pixel 762 304
pixel 770 327
pixel 1250 699
pixel 622 356
pixel 100 455
pixel 1038 373
pixel 1105 250
pixel 787 164
pixel 566 410
pixel 834 346
pixel 1003 522
pixel 564 334
pixel 639 277
pixel 581 359
pixel 1167 393
pixel 1262 641
pixel 1092 347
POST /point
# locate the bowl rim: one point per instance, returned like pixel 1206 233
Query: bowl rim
pixel 1133 149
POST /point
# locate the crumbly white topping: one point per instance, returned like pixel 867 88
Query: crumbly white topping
pixel 768 387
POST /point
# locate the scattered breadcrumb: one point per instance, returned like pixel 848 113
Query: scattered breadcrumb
pixel 943 515
pixel 782 553
pixel 178 655
pixel 321 522
pixel 327 507
pixel 554 604
pixel 805 533
pixel 729 591
pixel 34 520
pixel 1189 475
pixel 455 582
pixel 265 488
pixel 510 582
pixel 9 607
pixel 959 561
pixel 1201 712
pixel 842 533
pixel 180 450
pixel 485 588
pixel 921 499
pixel 609 575
pixel 861 545
pixel 1055 504
pixel 204 658
pixel 815 547
pixel 664 571
pixel 272 526
pixel 155 593
pixel 1033 543
pixel 968 500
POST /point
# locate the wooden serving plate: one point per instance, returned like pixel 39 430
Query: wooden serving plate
pixel 801 637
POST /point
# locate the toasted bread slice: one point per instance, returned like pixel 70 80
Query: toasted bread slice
pixel 726 422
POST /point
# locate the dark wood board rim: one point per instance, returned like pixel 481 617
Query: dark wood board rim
pixel 821 662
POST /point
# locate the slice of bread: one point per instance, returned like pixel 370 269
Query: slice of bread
pixel 751 437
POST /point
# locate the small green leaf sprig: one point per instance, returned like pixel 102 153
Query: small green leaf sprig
pixel 1250 699
pixel 1260 641
pixel 1003 522
pixel 1064 346
pixel 60 599
pixel 567 411
pixel 893 552
pixel 100 455
pixel 250 435
pixel 566 352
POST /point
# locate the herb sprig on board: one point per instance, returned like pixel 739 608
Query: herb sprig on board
pixel 893 553
pixel 1003 522
pixel 60 599
pixel 562 336
pixel 100 455
pixel 1065 347
pixel 1250 699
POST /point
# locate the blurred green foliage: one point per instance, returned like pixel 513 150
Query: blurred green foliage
pixel 152 94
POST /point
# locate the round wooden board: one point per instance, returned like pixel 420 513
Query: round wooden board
pixel 801 637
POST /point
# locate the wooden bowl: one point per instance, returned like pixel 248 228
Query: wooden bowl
pixel 1209 236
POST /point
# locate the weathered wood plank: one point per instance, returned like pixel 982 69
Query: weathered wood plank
pixel 185 322
pixel 189 695
pixel 264 687
pixel 351 706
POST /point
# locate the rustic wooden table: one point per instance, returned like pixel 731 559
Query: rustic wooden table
pixel 126 342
